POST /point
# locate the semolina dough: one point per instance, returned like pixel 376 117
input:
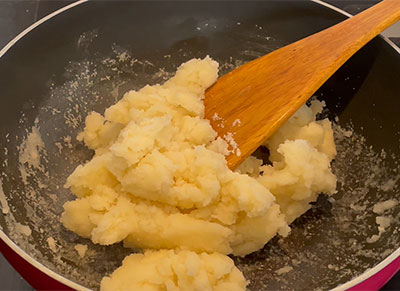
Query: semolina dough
pixel 175 270
pixel 159 181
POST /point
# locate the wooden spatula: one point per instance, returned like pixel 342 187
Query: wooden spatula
pixel 247 105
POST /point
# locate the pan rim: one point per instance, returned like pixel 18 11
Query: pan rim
pixel 12 245
pixel 353 282
pixel 396 254
pixel 29 259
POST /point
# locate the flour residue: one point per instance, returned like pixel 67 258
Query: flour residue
pixel 81 249
pixel 30 152
pixel 381 207
pixel 230 139
pixel 3 200
pixel 236 122
pixel 383 223
pixel 86 39
pixel 52 244
pixel 23 229
pixel 284 270
pixel 30 149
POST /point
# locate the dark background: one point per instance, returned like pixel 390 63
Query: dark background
pixel 16 15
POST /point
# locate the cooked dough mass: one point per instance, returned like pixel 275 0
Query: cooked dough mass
pixel 159 181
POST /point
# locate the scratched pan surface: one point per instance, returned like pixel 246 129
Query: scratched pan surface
pixel 86 57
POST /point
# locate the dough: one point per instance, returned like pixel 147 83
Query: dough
pixel 175 270
pixel 159 179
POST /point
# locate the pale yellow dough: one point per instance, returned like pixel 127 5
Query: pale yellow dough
pixel 175 270
pixel 159 178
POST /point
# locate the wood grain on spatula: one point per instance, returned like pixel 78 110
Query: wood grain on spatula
pixel 264 93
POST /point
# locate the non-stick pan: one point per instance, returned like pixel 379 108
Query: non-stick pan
pixel 86 56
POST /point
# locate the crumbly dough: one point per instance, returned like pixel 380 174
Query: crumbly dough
pixel 300 152
pixel 175 270
pixel 159 178
pixel 81 249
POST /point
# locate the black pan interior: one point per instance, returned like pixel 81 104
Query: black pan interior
pixel 75 59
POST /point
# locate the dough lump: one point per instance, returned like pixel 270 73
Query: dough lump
pixel 175 270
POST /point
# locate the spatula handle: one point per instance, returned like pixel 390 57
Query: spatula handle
pixel 353 33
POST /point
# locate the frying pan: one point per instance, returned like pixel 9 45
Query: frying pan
pixel 85 56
